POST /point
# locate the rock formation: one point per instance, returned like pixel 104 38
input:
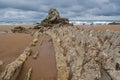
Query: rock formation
pixel 35 38
pixel 18 29
pixel 83 54
pixel 114 23
pixel 12 70
pixel 28 74
pixel 52 20
pixel 35 55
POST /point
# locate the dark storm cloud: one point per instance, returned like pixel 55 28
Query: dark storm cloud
pixel 68 8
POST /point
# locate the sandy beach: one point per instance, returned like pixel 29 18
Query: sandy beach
pixel 12 45
pixel 7 28
pixel 60 40
pixel 105 27
pixel 44 67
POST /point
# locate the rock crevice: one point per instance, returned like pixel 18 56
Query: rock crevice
pixel 89 55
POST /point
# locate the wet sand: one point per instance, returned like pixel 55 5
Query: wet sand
pixel 44 67
pixel 105 27
pixel 11 46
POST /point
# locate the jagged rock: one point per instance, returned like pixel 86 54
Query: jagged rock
pixel 28 74
pixel 51 21
pixel 89 55
pixel 62 68
pixel 12 70
pixel 18 29
pixel 35 40
pixel 53 15
pixel 104 75
pixel 36 34
pixel 33 44
pixel 36 55
pixel 54 18
pixel 37 26
pixel 114 23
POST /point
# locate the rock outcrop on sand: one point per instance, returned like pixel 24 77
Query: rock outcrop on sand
pixel 12 70
pixel 28 75
pixel 83 54
pixel 18 29
pixel 114 23
pixel 52 20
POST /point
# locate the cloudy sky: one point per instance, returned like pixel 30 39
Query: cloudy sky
pixel 73 9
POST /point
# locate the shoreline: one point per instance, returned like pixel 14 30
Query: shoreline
pixel 6 28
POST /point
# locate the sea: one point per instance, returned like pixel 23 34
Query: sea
pixel 94 22
pixel 75 22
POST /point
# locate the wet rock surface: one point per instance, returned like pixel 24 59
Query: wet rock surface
pixel 83 54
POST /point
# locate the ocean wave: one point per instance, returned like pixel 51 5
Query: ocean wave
pixel 93 22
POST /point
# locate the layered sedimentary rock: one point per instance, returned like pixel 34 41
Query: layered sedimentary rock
pixel 12 70
pixel 53 19
pixel 35 38
pixel 83 54
pixel 28 74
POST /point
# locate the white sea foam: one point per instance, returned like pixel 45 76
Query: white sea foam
pixel 93 22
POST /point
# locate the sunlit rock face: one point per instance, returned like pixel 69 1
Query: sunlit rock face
pixel 83 54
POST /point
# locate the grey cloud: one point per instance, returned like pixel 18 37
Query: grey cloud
pixel 10 13
pixel 68 8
